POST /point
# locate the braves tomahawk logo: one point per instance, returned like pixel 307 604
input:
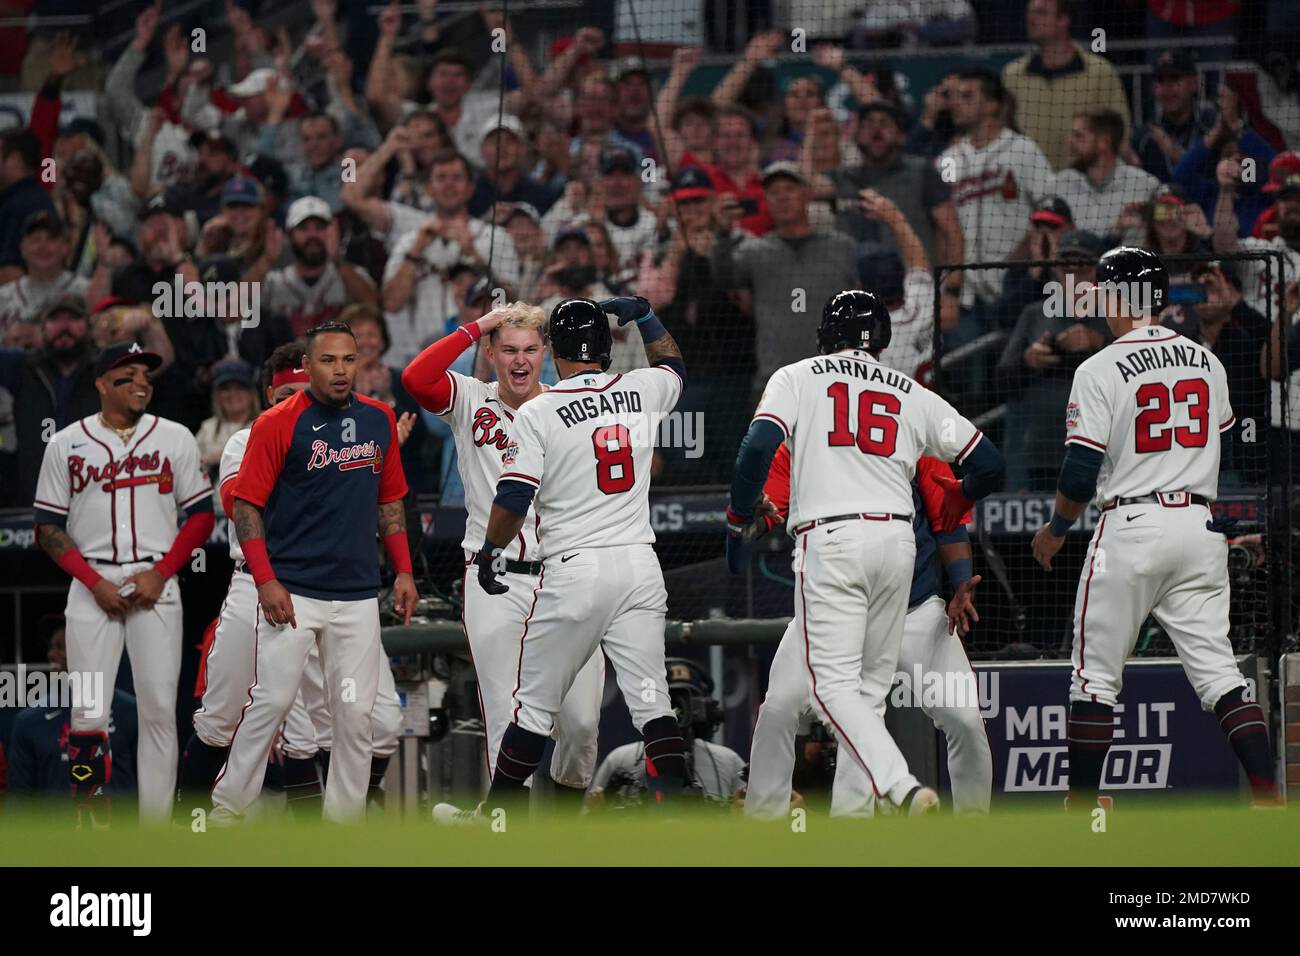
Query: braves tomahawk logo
pixel 365 455
pixel 121 473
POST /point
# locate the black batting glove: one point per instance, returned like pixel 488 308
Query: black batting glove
pixel 491 564
pixel 628 308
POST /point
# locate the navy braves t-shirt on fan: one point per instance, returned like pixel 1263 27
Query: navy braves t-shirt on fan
pixel 319 473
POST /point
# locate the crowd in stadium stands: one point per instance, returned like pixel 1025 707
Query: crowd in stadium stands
pixel 410 194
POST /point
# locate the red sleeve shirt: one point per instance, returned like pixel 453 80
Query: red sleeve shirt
pixel 927 470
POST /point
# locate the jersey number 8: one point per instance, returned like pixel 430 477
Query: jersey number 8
pixel 877 432
pixel 613 446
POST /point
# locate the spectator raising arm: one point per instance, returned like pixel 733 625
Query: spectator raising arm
pixel 586 43
pixel 831 57
pixel 1228 174
pixel 381 94
pixel 877 207
pixel 762 46
pixel 356 196
pixel 685 60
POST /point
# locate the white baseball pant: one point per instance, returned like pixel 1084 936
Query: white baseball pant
pixel 1162 561
pixel 346 632
pixel 231 660
pixel 492 625
pixel 926 644
pixel 153 641
pixel 611 598
pixel 929 648
pixel 852 583
pixel 308 728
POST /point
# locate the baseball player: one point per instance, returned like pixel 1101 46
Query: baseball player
pixel 1140 434
pixel 321 470
pixel 482 417
pixel 230 656
pixel 932 644
pixel 584 450
pixel 855 430
pixel 111 488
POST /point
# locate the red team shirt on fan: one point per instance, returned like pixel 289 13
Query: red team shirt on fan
pixel 319 474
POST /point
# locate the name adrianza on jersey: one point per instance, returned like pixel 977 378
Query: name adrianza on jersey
pixel 594 406
pixel 1151 357
pixel 867 371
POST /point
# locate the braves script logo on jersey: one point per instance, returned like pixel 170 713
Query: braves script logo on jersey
pixel 365 455
pixel 487 431
pixel 135 468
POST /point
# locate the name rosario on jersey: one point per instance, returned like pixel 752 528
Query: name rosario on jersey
pixel 866 371
pixel 593 406
pixel 1151 357
pixel 80 474
pixel 367 454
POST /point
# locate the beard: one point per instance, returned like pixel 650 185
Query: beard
pixel 1080 164
pixel 66 349
pixel 1289 230
pixel 311 253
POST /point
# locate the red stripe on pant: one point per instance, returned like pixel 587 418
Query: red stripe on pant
pixel 482 711
pixel 803 544
pixel 519 671
pixel 1083 613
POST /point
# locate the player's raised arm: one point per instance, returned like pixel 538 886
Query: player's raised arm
pixel 427 378
pixel 660 349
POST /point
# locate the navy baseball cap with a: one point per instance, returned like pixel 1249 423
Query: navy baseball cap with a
pixel 241 191
pixel 125 353
pixel 691 182
pixel 617 159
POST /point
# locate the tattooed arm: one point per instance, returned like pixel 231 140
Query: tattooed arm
pixel 56 542
pixel 392 519
pixel 276 604
pixel 392 529
pixel 660 349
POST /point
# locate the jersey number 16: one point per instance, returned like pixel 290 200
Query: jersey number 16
pixel 877 429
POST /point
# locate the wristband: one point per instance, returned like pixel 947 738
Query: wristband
pixel 399 552
pixel 960 571
pixel 259 563
pixel 73 562
pixel 652 330
pixel 1061 525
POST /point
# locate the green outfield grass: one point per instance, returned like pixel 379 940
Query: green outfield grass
pixel 1179 835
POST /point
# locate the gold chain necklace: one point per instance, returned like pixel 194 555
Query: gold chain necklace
pixel 124 434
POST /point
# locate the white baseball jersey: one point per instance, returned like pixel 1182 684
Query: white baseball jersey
pixel 1254 273
pixel 232 456
pixel 24 299
pixel 995 189
pixel 1154 403
pixel 586 445
pixel 121 500
pixel 911 337
pixel 481 424
pixel 855 429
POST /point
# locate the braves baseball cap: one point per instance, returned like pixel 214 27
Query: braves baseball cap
pixel 1284 164
pixel 68 302
pixel 1054 211
pixel 570 232
pixel 241 191
pixel 166 201
pixel 882 106
pixel 617 159
pixel 524 209
pixel 43 219
pixel 691 182
pixel 308 207
pixel 1173 64
pixel 881 270
pixel 125 353
pixel 213 138
pixel 1289 186
pixel 480 291
pixel 506 121
pixel 256 82
pixel 220 269
pixel 270 172
pixel 232 370
pixel 785 168
pixel 1080 244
